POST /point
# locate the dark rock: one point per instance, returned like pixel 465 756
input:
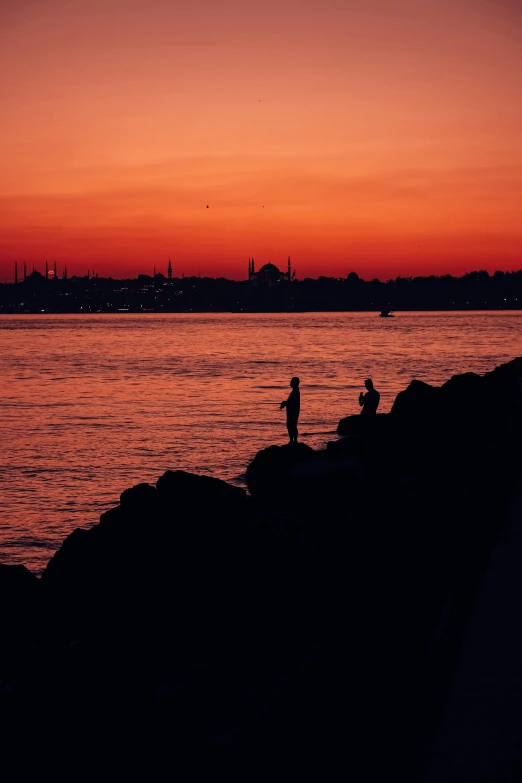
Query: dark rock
pixel 462 388
pixel 269 472
pixel 209 612
pixel 503 385
pixel 19 621
pixel 113 516
pixel 16 581
pixel 357 426
pixel 138 497
pixel 463 398
pixel 78 546
pixel 19 595
pixel 418 399
pixel 346 446
pixel 189 488
pixel 506 374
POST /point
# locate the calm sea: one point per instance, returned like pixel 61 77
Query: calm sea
pixel 94 404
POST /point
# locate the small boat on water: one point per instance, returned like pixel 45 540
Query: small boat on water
pixel 386 313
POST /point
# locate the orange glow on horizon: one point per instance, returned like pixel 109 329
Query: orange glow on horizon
pixel 381 137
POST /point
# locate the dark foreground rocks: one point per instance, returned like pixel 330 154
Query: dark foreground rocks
pixel 308 628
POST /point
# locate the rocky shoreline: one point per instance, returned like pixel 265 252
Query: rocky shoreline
pixel 310 626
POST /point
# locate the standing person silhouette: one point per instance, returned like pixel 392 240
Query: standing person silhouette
pixel 293 406
pixel 369 402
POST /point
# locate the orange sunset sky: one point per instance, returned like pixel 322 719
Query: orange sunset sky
pixel 369 135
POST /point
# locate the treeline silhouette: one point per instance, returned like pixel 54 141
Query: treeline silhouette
pixel 146 293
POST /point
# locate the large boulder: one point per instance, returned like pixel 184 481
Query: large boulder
pixel 156 546
pixel 463 396
pixel 503 387
pixel 270 473
pixel 419 399
pixel 138 497
pixel 508 374
pixel 179 488
pixel 17 585
pixel 357 426
pixel 189 618
pixel 462 388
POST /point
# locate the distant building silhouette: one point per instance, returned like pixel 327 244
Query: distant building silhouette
pixel 269 274
pixel 265 290
pixel 36 279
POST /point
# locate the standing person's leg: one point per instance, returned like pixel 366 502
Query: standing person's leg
pixel 292 430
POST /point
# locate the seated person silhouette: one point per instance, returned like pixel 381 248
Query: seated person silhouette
pixel 369 402
pixel 293 406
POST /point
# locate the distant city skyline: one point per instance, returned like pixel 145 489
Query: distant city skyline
pixel 381 136
pixel 60 270
pixel 68 269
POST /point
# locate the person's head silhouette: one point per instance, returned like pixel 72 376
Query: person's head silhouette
pixel 369 384
pixel 294 383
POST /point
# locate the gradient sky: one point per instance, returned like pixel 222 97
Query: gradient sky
pixel 369 135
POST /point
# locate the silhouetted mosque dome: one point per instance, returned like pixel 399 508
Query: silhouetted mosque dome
pixel 268 274
pixel 36 278
pixel 270 268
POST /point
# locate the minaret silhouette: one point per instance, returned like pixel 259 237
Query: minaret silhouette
pixel 289 269
pixel 46 271
pixel 16 271
pixel 169 272
pixel 25 272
